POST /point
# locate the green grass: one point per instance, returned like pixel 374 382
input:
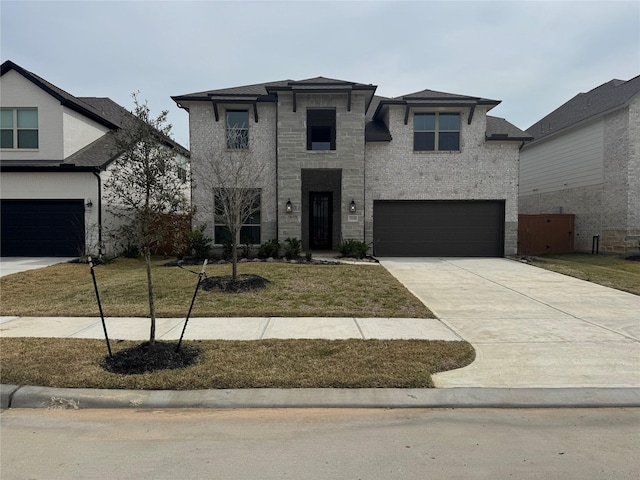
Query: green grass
pixel 295 290
pixel 605 269
pixel 75 363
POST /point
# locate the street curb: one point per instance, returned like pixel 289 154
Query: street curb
pixel 13 396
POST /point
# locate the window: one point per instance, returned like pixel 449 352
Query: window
pixel 436 132
pixel 321 129
pixel 250 230
pixel 237 129
pixel 19 128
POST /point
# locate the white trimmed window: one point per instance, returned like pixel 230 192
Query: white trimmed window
pixel 19 128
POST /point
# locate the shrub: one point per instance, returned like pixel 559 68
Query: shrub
pixel 353 248
pixel 270 249
pixel 308 255
pixel 199 243
pixel 293 248
pixel 130 251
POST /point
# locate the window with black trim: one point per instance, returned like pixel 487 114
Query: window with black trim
pixel 237 129
pixel 437 131
pixel 321 129
pixel 250 230
pixel 19 128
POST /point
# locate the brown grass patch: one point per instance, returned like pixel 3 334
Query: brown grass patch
pixel 294 290
pixel 75 363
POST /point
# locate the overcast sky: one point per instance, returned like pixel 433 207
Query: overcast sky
pixel 533 56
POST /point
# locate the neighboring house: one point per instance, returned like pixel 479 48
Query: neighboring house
pixel 426 174
pixel 55 155
pixel 585 161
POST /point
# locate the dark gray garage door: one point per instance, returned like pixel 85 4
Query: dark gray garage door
pixel 42 228
pixel 438 228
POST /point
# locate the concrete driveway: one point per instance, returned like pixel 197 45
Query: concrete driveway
pixel 530 327
pixel 9 265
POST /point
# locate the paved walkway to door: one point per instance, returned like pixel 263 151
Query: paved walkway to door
pixel 530 327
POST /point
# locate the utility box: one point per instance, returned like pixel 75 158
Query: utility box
pixel 547 233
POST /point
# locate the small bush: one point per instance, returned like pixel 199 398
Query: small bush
pixel 353 248
pixel 245 250
pixel 270 249
pixel 293 248
pixel 308 255
pixel 199 243
pixel 131 251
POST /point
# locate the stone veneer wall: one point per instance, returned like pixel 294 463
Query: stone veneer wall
pixel 480 171
pixel 208 141
pixel 293 157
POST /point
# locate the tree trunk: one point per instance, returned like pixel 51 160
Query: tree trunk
pixel 152 302
pixel 234 255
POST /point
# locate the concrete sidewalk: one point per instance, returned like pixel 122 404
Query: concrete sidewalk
pixel 236 328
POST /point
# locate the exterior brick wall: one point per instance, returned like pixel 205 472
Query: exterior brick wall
pixel 480 171
pixel 208 142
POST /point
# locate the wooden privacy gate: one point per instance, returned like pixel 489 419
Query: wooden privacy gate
pixel 540 234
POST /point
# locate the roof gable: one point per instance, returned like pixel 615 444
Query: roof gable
pixel 65 98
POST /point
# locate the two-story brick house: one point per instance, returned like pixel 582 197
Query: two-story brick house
pixel 426 174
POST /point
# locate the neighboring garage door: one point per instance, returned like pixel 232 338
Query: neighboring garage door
pixel 416 228
pixel 42 228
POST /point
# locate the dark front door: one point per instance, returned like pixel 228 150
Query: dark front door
pixel 320 220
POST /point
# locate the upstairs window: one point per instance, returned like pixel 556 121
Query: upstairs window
pixel 237 129
pixel 19 128
pixel 436 132
pixel 321 129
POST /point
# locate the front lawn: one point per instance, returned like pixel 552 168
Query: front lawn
pixel 295 290
pixel 610 270
pixel 75 363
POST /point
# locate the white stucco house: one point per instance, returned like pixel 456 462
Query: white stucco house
pixel 424 174
pixel 55 154
pixel 585 160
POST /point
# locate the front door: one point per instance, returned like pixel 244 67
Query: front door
pixel 320 220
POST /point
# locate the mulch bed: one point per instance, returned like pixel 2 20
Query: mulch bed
pixel 145 358
pixel 244 283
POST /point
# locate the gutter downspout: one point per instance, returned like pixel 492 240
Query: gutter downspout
pixel 100 245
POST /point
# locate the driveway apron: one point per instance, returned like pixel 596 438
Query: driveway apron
pixel 529 327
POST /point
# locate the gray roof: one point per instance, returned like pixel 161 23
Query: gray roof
pixel 96 155
pixel 499 129
pixel 601 100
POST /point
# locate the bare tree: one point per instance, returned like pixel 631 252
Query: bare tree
pixel 146 186
pixel 234 176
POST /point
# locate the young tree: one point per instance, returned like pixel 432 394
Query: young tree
pixel 146 187
pixel 234 176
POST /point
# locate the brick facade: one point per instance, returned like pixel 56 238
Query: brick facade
pixel 384 167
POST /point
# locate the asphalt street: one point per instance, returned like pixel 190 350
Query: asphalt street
pixel 321 444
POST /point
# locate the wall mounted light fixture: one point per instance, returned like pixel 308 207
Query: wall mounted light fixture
pixel 289 206
pixel 89 203
pixel 352 206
